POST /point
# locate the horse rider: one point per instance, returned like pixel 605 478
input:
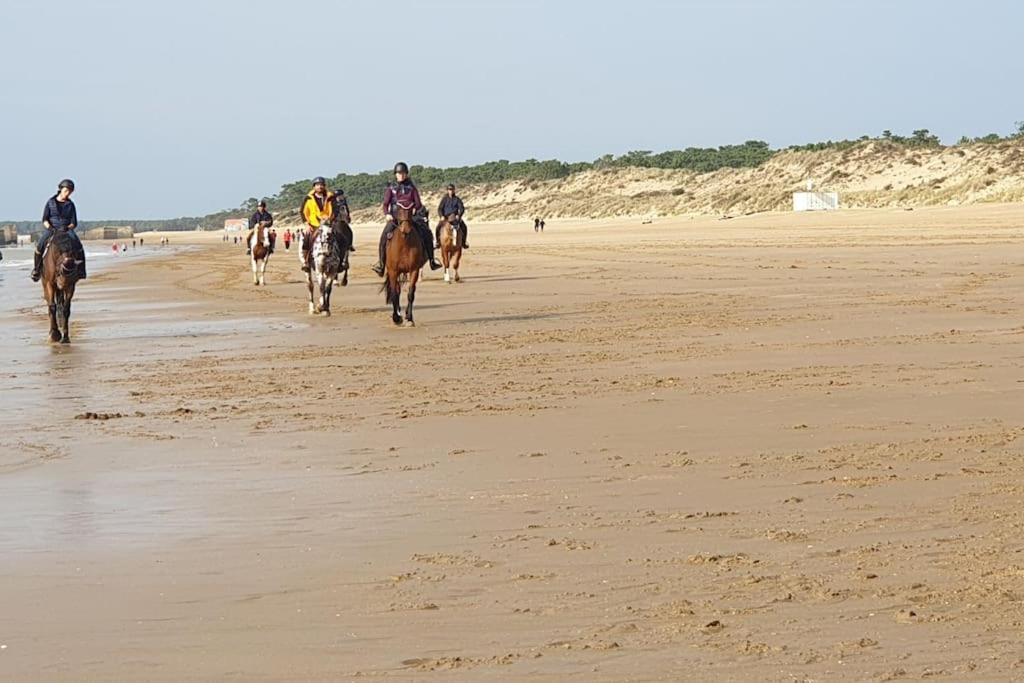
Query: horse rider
pixel 342 212
pixel 317 207
pixel 404 192
pixel 261 215
pixel 450 204
pixel 60 214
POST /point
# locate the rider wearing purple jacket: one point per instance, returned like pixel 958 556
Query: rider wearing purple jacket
pixel 404 192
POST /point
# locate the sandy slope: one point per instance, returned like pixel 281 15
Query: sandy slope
pixel 870 175
pixel 774 448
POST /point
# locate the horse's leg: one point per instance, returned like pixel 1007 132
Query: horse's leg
pixel 67 317
pixel 309 284
pixel 395 292
pixel 457 260
pixel 446 257
pixel 255 277
pixel 325 296
pixel 411 296
pixel 54 330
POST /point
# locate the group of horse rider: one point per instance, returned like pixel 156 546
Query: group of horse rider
pixel 319 206
pixel 322 205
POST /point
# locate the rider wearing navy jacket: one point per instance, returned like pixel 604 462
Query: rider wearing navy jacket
pixel 60 214
pixel 404 192
pixel 452 204
pixel 261 215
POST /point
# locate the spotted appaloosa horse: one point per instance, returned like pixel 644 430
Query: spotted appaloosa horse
pixel 325 261
pixel 259 245
pixel 404 255
pixel 60 274
pixel 451 248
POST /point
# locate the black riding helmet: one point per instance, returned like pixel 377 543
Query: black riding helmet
pixel 400 167
pixel 68 183
pixel 338 192
pixel 319 180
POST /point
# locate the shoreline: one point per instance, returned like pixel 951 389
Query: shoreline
pixel 755 448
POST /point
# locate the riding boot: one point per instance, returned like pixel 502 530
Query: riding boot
pixel 434 265
pixel 379 268
pixel 37 269
pixel 305 261
pixel 81 269
pixel 465 235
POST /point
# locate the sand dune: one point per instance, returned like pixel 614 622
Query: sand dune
pixel 870 175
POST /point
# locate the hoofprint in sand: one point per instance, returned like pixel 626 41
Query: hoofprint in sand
pixel 772 447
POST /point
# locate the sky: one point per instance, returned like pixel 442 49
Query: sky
pixel 159 110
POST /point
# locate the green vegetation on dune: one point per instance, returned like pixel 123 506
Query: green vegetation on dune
pixel 366 189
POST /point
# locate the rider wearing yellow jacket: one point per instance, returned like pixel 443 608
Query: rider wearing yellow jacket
pixel 318 206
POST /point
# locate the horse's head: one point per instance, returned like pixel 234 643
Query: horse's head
pixel 403 215
pixel 323 244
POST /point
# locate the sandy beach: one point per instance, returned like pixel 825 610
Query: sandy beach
pixel 778 447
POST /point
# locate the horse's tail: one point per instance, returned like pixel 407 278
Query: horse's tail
pixel 389 292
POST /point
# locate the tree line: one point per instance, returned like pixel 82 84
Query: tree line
pixel 366 189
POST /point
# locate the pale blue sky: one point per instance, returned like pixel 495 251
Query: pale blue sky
pixel 186 107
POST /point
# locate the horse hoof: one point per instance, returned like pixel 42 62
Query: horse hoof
pixel 397 319
pixel 65 340
pixel 412 323
pixel 325 313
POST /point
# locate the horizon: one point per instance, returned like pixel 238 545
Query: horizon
pixel 159 129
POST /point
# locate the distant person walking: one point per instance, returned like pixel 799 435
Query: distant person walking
pixel 60 214
pixel 287 239
pixel 451 204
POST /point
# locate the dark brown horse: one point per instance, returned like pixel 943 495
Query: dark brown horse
pixel 60 273
pixel 451 248
pixel 404 256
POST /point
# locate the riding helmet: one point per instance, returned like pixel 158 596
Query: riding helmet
pixel 319 180
pixel 68 183
pixel 400 167
pixel 339 192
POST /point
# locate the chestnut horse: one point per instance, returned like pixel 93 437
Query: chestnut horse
pixel 451 248
pixel 404 256
pixel 60 273
pixel 259 245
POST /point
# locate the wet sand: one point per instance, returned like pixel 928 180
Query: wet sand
pixel 776 447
